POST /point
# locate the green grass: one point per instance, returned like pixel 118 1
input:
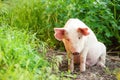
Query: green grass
pixel 19 59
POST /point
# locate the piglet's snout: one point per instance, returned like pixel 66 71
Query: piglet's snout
pixel 75 53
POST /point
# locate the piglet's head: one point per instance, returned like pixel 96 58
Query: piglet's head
pixel 72 38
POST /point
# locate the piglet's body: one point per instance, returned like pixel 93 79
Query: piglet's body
pixel 79 39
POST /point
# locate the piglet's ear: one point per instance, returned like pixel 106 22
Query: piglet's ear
pixel 59 33
pixel 84 31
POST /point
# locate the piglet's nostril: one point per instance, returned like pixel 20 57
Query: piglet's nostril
pixel 75 53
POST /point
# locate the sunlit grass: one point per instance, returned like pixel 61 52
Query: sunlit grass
pixel 19 58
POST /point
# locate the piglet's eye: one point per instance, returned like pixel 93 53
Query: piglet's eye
pixel 68 39
pixel 78 37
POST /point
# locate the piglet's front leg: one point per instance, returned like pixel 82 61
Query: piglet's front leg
pixel 71 63
pixel 83 61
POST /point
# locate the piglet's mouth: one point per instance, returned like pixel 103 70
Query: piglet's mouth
pixel 75 53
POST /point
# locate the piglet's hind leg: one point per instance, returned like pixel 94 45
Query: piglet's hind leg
pixel 101 61
pixel 102 58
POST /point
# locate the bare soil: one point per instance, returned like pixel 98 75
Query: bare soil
pixel 91 73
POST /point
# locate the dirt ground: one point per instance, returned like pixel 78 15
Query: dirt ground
pixel 91 73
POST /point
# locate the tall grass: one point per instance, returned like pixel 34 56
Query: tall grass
pixel 18 57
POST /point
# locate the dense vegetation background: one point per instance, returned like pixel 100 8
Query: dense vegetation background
pixel 27 25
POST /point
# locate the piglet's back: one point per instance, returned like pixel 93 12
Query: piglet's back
pixel 74 23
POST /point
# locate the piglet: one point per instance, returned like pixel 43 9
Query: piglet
pixel 81 45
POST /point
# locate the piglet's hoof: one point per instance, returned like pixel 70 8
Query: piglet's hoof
pixel 101 65
pixel 82 69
